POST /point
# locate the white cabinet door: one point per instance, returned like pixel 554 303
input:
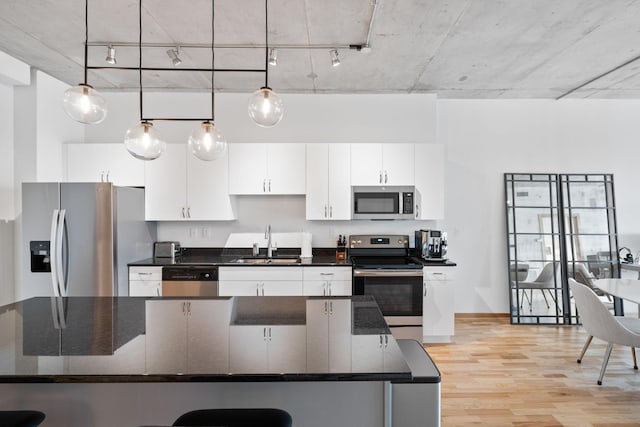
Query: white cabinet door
pixel 166 184
pixel 286 168
pixel 208 189
pixel 328 182
pixel 327 281
pixel 398 164
pixel 166 336
pixel 287 348
pixel 366 164
pixel 103 163
pixel 429 180
pixel 340 335
pixel 317 171
pixel 438 308
pixel 145 288
pixel 382 164
pixel 247 168
pixel 208 336
pixel 318 335
pixel 366 353
pixel 248 348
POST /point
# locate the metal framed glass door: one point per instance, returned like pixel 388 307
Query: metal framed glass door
pixel 558 226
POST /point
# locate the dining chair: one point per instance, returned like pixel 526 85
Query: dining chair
pixel 600 323
pixel 236 417
pixel 21 418
pixel 544 282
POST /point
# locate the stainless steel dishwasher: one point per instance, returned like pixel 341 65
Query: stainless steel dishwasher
pixel 190 281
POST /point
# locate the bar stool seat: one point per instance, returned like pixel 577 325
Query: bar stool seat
pixel 21 418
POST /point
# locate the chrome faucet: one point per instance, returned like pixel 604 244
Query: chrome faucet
pixel 267 235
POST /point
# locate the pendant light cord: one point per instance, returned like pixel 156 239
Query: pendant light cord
pixel 213 32
pixel 266 44
pixel 86 38
pixel 140 53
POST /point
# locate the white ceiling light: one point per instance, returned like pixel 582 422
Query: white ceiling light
pixel 111 55
pixel 173 54
pixel 335 61
pixel 82 102
pixel 265 106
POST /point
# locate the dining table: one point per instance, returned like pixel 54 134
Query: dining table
pixel 620 289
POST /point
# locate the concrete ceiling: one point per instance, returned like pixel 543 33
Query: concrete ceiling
pixel 454 48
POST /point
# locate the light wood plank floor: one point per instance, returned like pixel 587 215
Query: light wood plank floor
pixel 497 374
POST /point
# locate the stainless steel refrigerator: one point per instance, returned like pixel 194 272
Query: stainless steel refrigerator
pixel 77 238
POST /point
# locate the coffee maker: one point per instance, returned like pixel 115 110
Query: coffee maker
pixel 431 244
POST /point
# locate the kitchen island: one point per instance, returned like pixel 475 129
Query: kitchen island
pixel 135 361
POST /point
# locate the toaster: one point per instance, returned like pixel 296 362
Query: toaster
pixel 166 250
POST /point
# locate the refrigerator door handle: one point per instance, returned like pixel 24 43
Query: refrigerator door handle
pixel 62 289
pixel 54 253
pixel 64 254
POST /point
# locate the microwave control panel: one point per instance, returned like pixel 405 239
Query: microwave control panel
pixel 407 202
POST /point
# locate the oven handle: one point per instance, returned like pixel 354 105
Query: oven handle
pixel 387 273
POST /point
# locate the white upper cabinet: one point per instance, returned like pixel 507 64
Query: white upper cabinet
pixel 103 163
pixel 382 164
pixel 257 168
pixel 182 187
pixel 328 182
pixel 429 181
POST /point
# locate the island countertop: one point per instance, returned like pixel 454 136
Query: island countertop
pixel 135 339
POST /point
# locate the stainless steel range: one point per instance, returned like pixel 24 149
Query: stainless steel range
pixel 383 268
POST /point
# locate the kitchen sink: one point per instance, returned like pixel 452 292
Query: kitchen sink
pixel 267 261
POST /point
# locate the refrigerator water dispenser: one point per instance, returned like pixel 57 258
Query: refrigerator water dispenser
pixel 40 256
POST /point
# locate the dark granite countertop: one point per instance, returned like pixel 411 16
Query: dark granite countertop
pixel 136 339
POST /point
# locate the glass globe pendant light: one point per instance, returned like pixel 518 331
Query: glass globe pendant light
pixel 142 141
pixel 265 106
pixel 84 104
pixel 207 142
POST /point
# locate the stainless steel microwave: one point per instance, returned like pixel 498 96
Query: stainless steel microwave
pixel 383 202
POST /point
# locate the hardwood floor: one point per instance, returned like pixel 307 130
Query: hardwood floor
pixel 497 374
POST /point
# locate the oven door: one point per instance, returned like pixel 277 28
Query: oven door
pixel 398 292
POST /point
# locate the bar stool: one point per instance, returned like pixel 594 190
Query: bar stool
pixel 21 418
pixel 240 417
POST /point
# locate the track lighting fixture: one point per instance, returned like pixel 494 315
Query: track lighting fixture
pixel 111 55
pixel 273 56
pixel 335 61
pixel 173 55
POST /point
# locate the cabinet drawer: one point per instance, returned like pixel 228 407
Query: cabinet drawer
pixel 145 273
pixel 439 274
pixel 327 273
pixel 260 274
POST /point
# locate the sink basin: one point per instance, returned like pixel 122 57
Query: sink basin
pixel 267 261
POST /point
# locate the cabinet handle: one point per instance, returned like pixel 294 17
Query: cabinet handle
pixel 331 307
pixel 101 176
pixel 380 341
pixel 144 274
pixel 329 286
pixel 424 289
pixel 269 334
pixel 325 211
pixel 325 308
pixel 386 341
pixel 269 185
pixel 326 274
pixel 189 308
pixel 324 289
pixel 264 333
pixel 264 185
pixel 183 212
pixel 189 212
pixel 417 211
pixel 108 176
pixel 380 178
pixel 158 291
pixel 386 178
pixel 184 307
pixel 257 289
pixel 330 211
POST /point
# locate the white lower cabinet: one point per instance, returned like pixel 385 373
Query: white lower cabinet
pixel 438 307
pixel 145 281
pixel 187 336
pixel 260 281
pixel 326 281
pixel 329 335
pixel 376 353
pixel 267 348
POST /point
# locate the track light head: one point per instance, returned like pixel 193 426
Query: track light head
pixel 173 55
pixel 273 56
pixel 111 55
pixel 335 61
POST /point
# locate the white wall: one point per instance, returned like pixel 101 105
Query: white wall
pixel 7 205
pixel 486 139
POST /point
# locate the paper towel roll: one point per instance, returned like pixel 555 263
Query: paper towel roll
pixel 305 248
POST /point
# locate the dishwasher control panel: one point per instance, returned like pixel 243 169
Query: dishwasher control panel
pixel 190 273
